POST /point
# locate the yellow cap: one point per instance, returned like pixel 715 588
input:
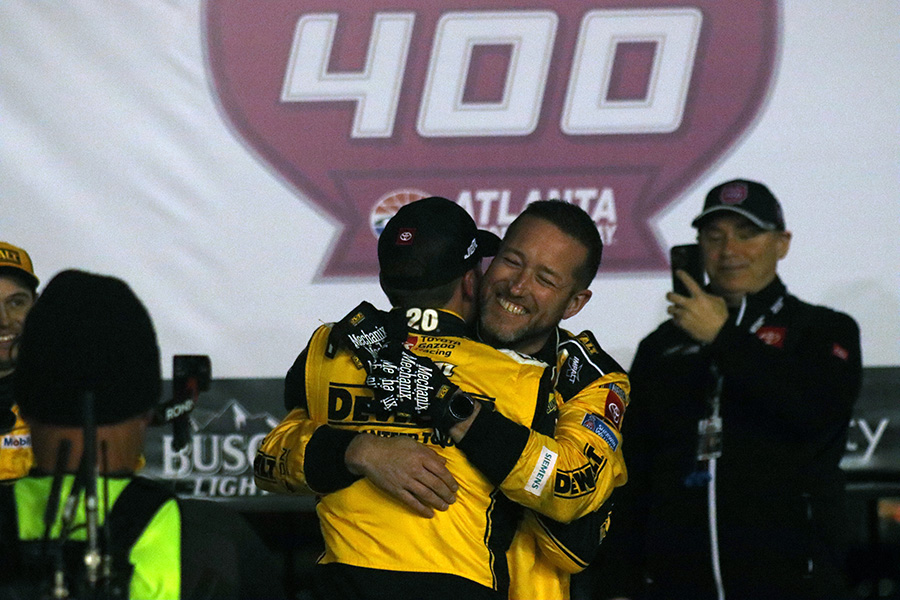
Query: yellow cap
pixel 13 257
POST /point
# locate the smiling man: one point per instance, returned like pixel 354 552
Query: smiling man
pixel 561 460
pixel 18 290
pixel 742 406
pixel 540 277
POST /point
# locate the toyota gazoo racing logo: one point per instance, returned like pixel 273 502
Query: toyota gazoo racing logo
pixel 617 106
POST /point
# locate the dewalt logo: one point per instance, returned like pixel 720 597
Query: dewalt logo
pixel 10 256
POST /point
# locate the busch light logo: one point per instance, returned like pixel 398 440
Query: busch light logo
pixel 366 105
pixel 218 461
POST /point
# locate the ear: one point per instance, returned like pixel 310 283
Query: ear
pixel 576 303
pixel 784 244
pixel 471 283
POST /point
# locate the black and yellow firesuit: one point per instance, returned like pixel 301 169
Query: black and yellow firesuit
pixel 501 459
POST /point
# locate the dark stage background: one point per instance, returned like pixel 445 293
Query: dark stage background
pixel 234 415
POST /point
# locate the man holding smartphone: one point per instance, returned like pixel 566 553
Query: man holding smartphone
pixel 742 403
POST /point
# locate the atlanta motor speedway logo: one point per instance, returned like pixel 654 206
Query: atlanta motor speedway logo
pixel 618 106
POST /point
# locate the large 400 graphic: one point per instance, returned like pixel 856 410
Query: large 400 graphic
pixel 358 101
pixel 529 37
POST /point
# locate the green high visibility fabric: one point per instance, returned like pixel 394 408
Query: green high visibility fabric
pixel 156 555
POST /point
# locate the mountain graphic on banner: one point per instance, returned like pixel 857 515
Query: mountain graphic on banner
pixel 232 417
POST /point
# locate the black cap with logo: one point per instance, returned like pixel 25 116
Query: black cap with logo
pixel 431 242
pixel 750 199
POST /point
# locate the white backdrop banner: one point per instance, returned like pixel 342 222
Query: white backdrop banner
pixel 235 160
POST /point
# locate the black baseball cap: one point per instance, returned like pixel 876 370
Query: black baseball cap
pixel 431 242
pixel 750 199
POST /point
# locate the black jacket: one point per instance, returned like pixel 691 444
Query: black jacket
pixel 790 374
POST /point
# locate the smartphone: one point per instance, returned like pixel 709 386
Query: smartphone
pixel 687 258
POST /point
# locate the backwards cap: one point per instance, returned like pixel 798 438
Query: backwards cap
pixel 431 242
pixel 87 332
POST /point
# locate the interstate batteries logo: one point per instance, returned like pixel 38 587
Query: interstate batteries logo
pixel 618 106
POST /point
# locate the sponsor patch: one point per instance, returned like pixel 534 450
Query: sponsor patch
pixel 541 473
pixel 573 368
pixel 587 341
pixel 17 441
pixel 471 249
pixel 551 404
pixel 772 336
pixel 430 342
pixel 615 405
pixel 596 424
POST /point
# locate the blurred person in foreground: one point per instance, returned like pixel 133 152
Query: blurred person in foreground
pixel 742 406
pixel 18 291
pixel 87 380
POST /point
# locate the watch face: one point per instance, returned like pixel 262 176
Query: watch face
pixel 461 406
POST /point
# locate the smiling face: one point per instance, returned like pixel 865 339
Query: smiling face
pixel 531 285
pixel 740 258
pixel 15 301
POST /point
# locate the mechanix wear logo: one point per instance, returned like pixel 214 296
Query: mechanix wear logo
pixel 618 108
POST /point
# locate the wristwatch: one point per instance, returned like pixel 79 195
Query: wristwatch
pixel 461 406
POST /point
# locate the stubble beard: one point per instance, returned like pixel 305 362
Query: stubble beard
pixel 513 339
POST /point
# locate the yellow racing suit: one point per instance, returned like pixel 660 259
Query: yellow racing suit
pixel 564 477
pixel 545 553
pixel 16 455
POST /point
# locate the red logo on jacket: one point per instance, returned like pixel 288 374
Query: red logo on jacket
pixel 773 336
pixel 839 351
pixel 615 405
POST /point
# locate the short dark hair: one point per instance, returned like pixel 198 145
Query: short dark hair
pixel 574 222
pixel 434 297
